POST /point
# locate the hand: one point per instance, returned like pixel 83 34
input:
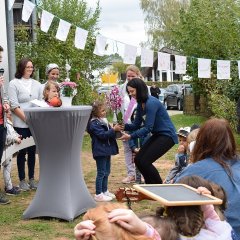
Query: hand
pixel 127 219
pixel 203 190
pixel 84 230
pixel 18 140
pixel 124 137
pixel 6 107
pixel 118 127
pixel 136 150
pixel 181 149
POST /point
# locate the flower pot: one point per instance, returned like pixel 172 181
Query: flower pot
pixel 118 134
pixel 66 101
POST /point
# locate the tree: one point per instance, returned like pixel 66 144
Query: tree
pixel 160 17
pixel 210 29
pixel 48 49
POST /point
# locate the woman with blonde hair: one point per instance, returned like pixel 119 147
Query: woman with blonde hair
pixel 132 71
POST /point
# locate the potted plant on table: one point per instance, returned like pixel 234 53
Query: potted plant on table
pixel 68 89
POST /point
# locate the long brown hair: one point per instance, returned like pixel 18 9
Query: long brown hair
pixel 21 67
pixel 215 139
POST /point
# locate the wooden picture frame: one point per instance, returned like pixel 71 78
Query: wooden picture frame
pixel 176 194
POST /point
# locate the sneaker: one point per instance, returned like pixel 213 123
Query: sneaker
pixel 129 179
pixel 24 186
pixel 14 191
pixel 3 199
pixel 102 198
pixel 109 194
pixel 33 184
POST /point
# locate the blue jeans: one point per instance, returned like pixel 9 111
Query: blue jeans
pixel 21 157
pixel 103 170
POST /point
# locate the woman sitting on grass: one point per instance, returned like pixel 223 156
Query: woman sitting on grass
pixel 215 158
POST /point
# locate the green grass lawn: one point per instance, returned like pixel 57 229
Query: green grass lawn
pixel 12 227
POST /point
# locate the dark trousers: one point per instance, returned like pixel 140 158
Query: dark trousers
pixel 21 157
pixel 3 132
pixel 155 147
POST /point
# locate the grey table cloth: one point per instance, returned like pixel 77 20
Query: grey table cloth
pixel 58 134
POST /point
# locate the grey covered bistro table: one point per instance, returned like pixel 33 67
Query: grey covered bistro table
pixel 58 134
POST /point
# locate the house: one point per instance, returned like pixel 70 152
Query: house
pixel 153 74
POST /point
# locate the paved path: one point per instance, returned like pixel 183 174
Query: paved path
pixel 174 112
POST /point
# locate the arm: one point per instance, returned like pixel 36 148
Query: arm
pixel 19 112
pixel 151 110
pixel 98 130
pixel 208 210
pixel 127 219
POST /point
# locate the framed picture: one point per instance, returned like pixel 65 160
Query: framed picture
pixel 176 194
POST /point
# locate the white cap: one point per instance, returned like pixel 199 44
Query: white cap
pixel 50 67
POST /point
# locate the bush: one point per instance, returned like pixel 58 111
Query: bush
pixel 222 107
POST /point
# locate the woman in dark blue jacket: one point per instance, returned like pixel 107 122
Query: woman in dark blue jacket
pixel 152 113
pixel 103 146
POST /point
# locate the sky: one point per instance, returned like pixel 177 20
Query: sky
pixel 121 20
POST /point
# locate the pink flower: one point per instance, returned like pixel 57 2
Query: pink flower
pixel 114 100
pixel 70 84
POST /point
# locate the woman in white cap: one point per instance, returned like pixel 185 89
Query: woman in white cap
pixel 52 72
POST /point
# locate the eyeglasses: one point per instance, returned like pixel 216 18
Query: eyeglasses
pixel 29 67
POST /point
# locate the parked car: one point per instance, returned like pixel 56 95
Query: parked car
pixel 104 89
pixel 173 97
pixel 161 95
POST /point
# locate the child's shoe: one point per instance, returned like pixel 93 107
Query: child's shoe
pixel 3 199
pixel 102 198
pixel 14 191
pixel 109 194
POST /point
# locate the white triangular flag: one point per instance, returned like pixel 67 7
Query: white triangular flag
pixel 130 54
pixel 146 58
pixel 10 4
pixel 163 61
pixel 63 30
pixel 204 68
pixel 80 38
pixel 46 20
pixel 27 10
pixel 181 64
pixel 100 45
pixel 223 69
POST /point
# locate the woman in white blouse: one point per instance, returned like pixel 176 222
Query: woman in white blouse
pixel 23 89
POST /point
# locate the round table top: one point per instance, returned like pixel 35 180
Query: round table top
pixel 58 109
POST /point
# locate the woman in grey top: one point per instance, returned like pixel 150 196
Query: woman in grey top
pixel 22 90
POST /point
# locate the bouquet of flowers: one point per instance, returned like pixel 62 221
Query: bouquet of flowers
pixel 114 102
pixel 68 89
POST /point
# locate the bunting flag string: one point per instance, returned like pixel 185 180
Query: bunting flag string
pixel 130 52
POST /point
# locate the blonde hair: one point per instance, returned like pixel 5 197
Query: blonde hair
pixel 106 230
pixel 136 70
pixel 47 88
pixel 192 136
